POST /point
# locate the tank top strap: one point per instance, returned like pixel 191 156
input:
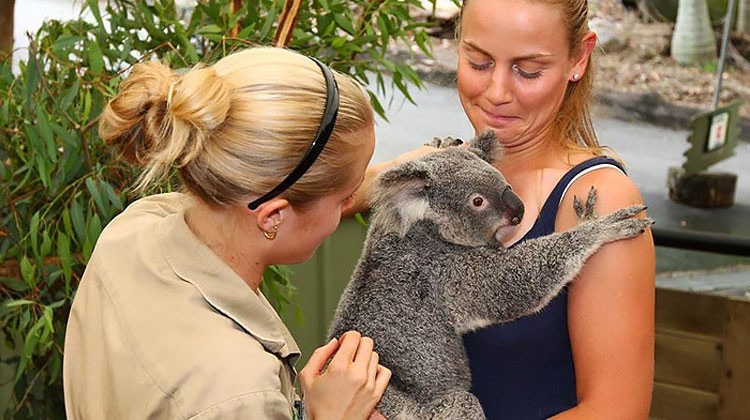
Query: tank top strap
pixel 545 223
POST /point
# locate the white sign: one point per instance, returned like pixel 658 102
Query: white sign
pixel 717 135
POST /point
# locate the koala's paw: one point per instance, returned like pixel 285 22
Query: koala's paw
pixel 444 142
pixel 623 224
pixel 585 212
pixel 455 405
pixel 617 225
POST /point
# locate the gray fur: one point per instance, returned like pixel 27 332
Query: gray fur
pixel 434 268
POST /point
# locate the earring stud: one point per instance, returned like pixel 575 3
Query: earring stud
pixel 272 234
pixel 576 76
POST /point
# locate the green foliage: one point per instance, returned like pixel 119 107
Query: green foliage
pixel 61 185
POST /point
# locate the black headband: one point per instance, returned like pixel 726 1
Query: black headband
pixel 318 143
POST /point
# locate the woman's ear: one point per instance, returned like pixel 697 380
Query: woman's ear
pixel 271 214
pixel 581 60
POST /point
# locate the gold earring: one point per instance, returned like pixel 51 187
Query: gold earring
pixel 272 234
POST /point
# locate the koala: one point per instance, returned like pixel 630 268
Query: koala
pixel 433 268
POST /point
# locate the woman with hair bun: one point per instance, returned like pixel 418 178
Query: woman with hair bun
pixel 168 320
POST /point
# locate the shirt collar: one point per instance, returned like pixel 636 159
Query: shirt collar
pixel 223 289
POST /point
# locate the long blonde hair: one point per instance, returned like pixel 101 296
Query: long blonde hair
pixel 235 129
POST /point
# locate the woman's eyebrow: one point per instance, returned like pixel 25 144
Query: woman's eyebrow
pixel 534 56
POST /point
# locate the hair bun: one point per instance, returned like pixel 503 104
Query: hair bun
pixel 160 119
pixel 198 103
pixel 135 115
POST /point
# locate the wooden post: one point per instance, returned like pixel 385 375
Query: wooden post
pixel 236 5
pixel 287 20
pixel 6 27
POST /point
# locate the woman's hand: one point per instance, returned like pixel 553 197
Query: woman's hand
pixel 343 379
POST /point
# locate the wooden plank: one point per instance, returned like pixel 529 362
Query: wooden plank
pixel 734 385
pixel 672 402
pixel 690 312
pixel 689 360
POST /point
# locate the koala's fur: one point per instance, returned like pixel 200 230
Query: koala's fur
pixel 434 268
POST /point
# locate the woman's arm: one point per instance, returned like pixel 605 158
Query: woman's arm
pixel 611 311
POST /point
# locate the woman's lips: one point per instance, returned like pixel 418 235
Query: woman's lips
pixel 499 119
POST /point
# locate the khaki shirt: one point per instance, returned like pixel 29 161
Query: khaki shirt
pixel 161 328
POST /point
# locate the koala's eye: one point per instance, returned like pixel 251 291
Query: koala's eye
pixel 477 201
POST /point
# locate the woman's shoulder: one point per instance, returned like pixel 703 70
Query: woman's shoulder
pixel 613 188
pixel 142 215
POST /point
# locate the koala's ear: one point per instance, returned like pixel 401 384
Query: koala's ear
pixel 406 179
pixel 486 146
pixel 401 191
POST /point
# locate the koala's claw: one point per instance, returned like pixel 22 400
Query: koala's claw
pixel 444 142
pixel 586 213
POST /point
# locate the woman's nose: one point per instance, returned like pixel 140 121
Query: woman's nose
pixel 498 90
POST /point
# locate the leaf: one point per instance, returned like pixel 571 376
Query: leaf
pixel 48 319
pixel 96 62
pixel 34 233
pixel 45 131
pixel 19 302
pixel 58 304
pixel 32 78
pixel 67 224
pixel 344 23
pixel 268 24
pixel 46 244
pixel 376 105
pixel 42 170
pixel 93 5
pixel 86 106
pixel 29 345
pixel 70 94
pixel 338 43
pixel 358 217
pixel 66 260
pixel 64 43
pixel 209 29
pixel 79 224
pixel 114 199
pixel 54 369
pixel 96 194
pixel 27 271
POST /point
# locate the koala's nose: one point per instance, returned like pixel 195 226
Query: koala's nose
pixel 514 206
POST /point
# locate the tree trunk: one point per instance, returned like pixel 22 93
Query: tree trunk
pixel 693 39
pixel 6 27
pixel 743 16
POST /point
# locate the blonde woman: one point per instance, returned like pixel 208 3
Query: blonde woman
pixel 169 321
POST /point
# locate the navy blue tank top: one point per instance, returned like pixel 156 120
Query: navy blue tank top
pixel 524 369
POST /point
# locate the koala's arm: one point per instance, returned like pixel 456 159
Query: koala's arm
pixel 485 286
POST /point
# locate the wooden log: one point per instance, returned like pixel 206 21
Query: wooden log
pixel 705 189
